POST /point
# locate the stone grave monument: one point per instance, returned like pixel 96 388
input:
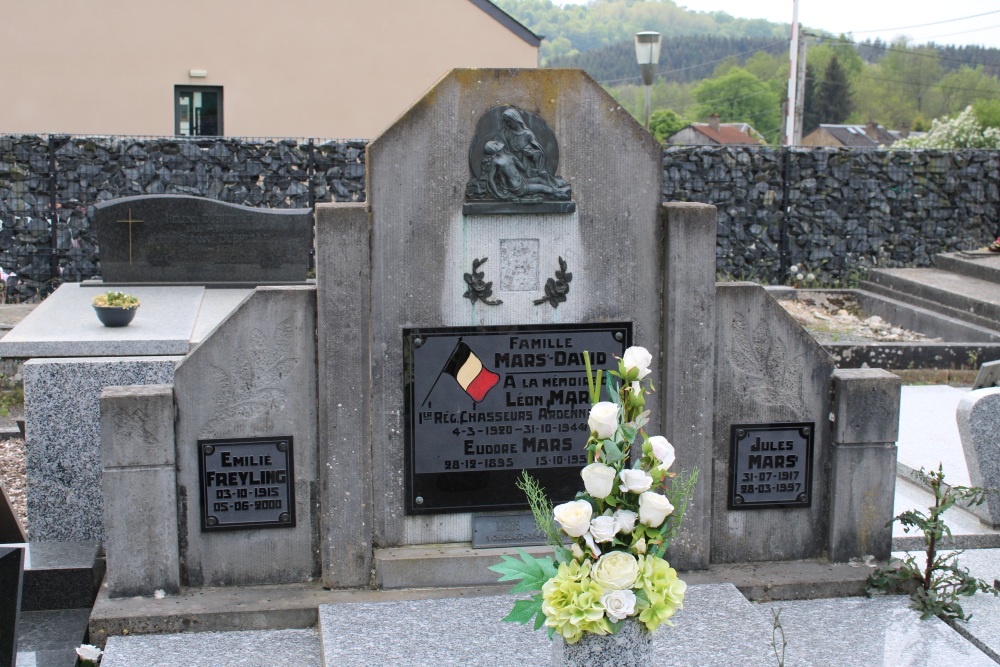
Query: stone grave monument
pixel 154 248
pixel 978 417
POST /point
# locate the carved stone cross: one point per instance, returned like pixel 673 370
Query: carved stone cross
pixel 129 222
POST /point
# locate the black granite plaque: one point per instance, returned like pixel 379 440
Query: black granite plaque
pixel 182 239
pixel 11 577
pixel 246 483
pixel 505 530
pixel 771 465
pixel 484 403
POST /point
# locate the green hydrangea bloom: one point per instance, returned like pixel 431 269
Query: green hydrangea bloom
pixel 571 602
pixel 664 591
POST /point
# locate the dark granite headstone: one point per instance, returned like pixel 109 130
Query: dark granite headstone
pixel 181 239
pixel 11 530
pixel 11 573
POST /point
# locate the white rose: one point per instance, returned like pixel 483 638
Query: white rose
pixel 603 419
pixel 603 528
pixel 89 652
pixel 615 570
pixel 653 509
pixel 598 479
pixel 640 546
pixel 662 450
pixel 589 539
pixel 635 481
pixel 625 521
pixel 618 604
pixel 574 517
pixel 638 357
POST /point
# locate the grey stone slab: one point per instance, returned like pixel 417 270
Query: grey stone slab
pixel 343 277
pixel 52 630
pixel 988 376
pixel 216 306
pixel 688 373
pixel 928 430
pixel 878 632
pixel 178 238
pixel 978 417
pixel 11 579
pixel 65 325
pixel 255 376
pixel 984 628
pixel 767 369
pixel 60 575
pixel 252 648
pixel 62 415
pixel 716 628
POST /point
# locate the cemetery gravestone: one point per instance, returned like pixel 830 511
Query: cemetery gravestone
pixel 11 578
pixel 178 238
pixel 502 199
pixel 978 417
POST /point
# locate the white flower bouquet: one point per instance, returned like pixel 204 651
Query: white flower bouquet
pixel 617 529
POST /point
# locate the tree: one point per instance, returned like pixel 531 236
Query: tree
pixel 739 96
pixel 987 112
pixel 665 122
pixel 960 88
pixel 963 131
pixel 833 100
pixel 810 116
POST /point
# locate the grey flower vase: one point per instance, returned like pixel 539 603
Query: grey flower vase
pixel 631 646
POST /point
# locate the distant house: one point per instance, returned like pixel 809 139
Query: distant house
pixel 859 136
pixel 714 133
pixel 305 68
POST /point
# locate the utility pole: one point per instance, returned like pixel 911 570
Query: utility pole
pixel 800 90
pixel 793 78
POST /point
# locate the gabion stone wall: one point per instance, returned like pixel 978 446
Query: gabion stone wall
pixel 830 212
pixel 836 212
pixel 274 173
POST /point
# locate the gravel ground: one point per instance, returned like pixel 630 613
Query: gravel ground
pixel 836 318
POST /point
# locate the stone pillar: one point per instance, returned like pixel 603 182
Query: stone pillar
pixel 686 384
pixel 343 281
pixel 863 463
pixel 138 458
pixel 978 418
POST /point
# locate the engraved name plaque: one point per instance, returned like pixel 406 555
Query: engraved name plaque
pixel 246 483
pixel 771 465
pixel 505 530
pixel 484 403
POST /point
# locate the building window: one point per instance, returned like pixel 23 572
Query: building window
pixel 198 111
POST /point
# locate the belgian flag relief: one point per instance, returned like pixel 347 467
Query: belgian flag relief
pixel 469 372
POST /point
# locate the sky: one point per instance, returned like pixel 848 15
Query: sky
pixel 887 19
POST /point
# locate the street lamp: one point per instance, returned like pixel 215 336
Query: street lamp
pixel 647 53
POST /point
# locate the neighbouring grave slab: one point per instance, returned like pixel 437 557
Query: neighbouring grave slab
pixel 988 376
pixel 11 578
pixel 252 380
pixel 11 529
pixel 869 632
pixel 65 325
pixel 60 575
pixel 978 418
pixel 183 239
pixel 768 371
pixel 62 448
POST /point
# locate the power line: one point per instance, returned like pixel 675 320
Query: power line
pixel 990 27
pixel 924 25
